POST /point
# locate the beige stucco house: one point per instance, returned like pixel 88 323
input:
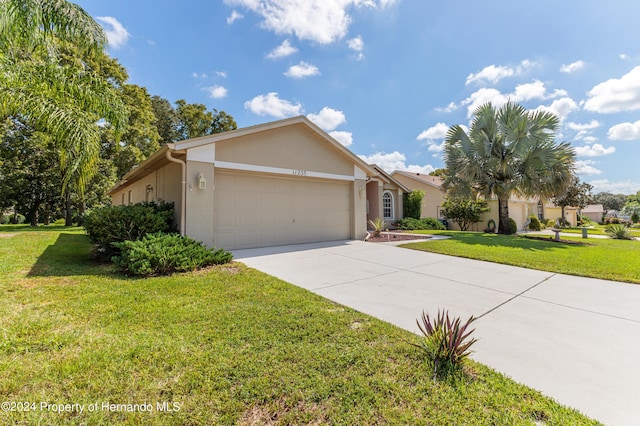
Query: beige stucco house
pixel 519 208
pixel 385 197
pixel 283 182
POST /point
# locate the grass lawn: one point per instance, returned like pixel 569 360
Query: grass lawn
pixel 599 230
pixel 228 345
pixel 617 260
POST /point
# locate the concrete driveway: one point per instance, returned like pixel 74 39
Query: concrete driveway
pixel 575 339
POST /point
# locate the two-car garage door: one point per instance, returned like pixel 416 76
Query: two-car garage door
pixel 253 210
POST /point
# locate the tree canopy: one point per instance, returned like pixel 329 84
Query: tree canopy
pixel 508 150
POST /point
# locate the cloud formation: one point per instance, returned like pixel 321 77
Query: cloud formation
pixel 623 187
pixel 585 167
pixel 302 70
pixel 395 161
pixel 271 105
pixel 117 34
pixel 217 92
pixel 595 150
pixel 494 73
pixel 235 15
pixel 320 21
pixel 285 49
pixel 345 138
pixel 616 94
pixel 328 118
pixel 572 67
pixel 625 131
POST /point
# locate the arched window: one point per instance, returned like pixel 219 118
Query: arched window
pixel 540 210
pixel 387 205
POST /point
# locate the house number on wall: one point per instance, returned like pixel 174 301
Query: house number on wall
pixel 299 172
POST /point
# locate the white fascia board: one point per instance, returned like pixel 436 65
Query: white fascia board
pixel 280 171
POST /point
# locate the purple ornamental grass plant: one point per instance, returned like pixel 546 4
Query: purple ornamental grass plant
pixel 446 341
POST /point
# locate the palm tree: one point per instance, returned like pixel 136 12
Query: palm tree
pixel 62 100
pixel 507 151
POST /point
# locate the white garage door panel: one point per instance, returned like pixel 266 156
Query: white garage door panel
pixel 257 211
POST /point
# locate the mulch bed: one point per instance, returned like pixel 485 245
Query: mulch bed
pixel 396 236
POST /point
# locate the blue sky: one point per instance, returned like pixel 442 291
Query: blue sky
pixel 388 77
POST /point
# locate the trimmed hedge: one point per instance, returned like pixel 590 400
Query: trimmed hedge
pixel 410 223
pixel 115 224
pixel 164 254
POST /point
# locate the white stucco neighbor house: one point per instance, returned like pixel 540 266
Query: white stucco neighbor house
pixel 278 183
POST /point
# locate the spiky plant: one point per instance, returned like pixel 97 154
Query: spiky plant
pixel 377 225
pixel 446 341
pixel 619 231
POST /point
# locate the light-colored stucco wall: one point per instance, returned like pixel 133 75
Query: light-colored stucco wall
pixel 200 202
pixel 433 197
pixel 294 146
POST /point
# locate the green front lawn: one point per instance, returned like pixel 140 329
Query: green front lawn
pixel 598 230
pixel 228 345
pixel 617 260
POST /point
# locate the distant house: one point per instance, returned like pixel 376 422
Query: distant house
pixel 594 212
pixel 519 208
pixel 277 183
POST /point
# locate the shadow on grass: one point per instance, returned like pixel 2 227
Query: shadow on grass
pixel 507 241
pixel 71 254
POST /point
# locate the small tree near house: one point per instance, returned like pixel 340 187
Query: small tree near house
pixel 413 204
pixel 464 212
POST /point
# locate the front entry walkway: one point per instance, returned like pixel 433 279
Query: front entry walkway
pixel 575 339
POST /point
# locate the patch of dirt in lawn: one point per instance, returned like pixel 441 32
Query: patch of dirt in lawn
pixel 7 235
pixel 386 237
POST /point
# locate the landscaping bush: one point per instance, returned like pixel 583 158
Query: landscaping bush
pixel 413 204
pixel 512 227
pixel 411 224
pixel 12 219
pixel 618 231
pixel 377 225
pixel 534 223
pixel 446 342
pixel 164 254
pixel 550 223
pixel 115 224
pixel 4 219
pixel 635 217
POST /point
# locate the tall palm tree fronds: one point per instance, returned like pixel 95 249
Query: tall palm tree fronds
pixel 508 150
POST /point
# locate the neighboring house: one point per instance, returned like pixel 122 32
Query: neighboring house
pixel 430 185
pixel 284 182
pixel 519 208
pixel 594 212
pixel 385 197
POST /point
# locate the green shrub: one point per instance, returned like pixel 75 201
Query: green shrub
pixel 534 223
pixel 550 223
pixel 115 224
pixel 618 231
pixel 635 217
pixel 4 219
pixel 412 206
pixel 12 219
pixel 164 254
pixel 446 342
pixel 512 227
pixel 411 224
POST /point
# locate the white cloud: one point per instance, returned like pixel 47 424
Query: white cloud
pixel 595 150
pixel 616 95
pixel 235 15
pixel 196 75
pixel 481 97
pixel 585 167
pixel 593 124
pixel 493 74
pixel 328 118
pixel 572 67
pixel 357 45
pixel 439 131
pixel 395 161
pixel 589 139
pixel 560 107
pixel 285 49
pixel 117 34
pixel 624 187
pixel 625 131
pixel 270 104
pixel 449 108
pixel 221 74
pixel 302 70
pixel 345 138
pixel 321 21
pixel 217 92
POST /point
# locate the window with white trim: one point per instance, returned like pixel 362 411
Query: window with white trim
pixel 387 205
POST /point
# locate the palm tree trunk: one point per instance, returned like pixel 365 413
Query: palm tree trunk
pixel 503 215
